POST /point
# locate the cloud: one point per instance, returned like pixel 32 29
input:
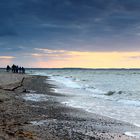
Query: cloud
pixel 45 50
pixel 66 26
pixel 7 57
pixel 6 60
pixel 134 57
pixel 52 54
pixel 87 59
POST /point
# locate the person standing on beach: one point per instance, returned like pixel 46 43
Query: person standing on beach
pixel 23 70
pixel 19 69
pixel 16 69
pixel 8 68
pixel 12 68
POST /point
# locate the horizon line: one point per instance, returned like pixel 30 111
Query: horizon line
pixel 78 68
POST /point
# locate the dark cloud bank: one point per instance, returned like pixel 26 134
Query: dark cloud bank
pixel 83 25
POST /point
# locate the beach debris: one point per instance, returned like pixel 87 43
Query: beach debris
pixel 12 87
pixel 26 91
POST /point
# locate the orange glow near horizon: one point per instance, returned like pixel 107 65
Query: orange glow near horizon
pixel 90 60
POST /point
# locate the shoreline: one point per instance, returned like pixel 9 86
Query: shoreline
pixel 49 119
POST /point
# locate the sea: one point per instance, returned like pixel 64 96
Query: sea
pixel 114 93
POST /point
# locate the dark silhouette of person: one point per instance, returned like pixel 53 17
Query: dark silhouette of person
pixel 13 68
pixel 16 69
pixel 23 70
pixel 8 68
pixel 19 69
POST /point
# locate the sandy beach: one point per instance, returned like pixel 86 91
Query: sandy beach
pixel 30 111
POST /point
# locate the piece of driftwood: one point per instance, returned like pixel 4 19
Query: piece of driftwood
pixel 12 87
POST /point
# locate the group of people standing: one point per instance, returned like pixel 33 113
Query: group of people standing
pixel 15 69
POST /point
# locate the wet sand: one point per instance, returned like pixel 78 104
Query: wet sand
pixel 30 111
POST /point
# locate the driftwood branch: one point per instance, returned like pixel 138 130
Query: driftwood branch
pixel 14 86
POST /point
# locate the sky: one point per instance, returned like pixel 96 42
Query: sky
pixel 70 33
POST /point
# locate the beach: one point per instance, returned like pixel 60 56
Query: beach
pixel 30 110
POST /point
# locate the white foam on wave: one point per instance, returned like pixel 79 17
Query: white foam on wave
pixel 135 134
pixel 130 102
pixel 35 97
pixel 136 124
pixel 37 73
pixel 100 96
pixel 66 82
pixel 95 90
pixel 54 90
pixel 71 82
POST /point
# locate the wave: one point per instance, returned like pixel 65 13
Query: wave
pixel 135 134
pixel 66 81
pixel 130 102
pixel 85 84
